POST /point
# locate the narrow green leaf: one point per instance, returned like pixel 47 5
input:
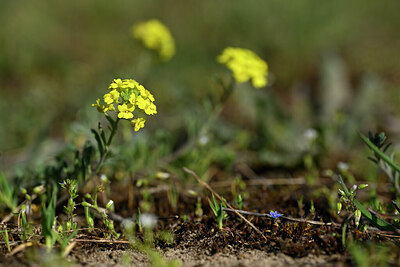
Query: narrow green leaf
pixel 376 221
pixel 99 142
pixel 6 194
pixel 102 134
pixel 380 154
pixel 111 121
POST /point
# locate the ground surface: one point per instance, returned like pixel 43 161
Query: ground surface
pixel 300 237
pixel 196 257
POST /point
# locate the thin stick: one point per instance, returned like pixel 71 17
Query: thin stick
pixel 283 217
pixel 101 241
pixel 223 200
pixel 9 216
pixel 369 228
pixel 264 181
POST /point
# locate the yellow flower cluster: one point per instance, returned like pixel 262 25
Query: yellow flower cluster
pixel 245 65
pixel 126 95
pixel 155 36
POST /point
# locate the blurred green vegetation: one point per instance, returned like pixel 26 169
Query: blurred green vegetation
pixel 57 57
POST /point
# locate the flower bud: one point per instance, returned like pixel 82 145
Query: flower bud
pixel 341 192
pixel 353 188
pixel 39 189
pixel 339 207
pixel 163 175
pixel 192 193
pixel 86 204
pixel 362 186
pixel 357 217
pixel 90 222
pixel 109 204
pixel 103 178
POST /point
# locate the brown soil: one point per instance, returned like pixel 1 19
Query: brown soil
pixel 198 257
pixel 199 242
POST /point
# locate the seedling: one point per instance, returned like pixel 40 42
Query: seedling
pixel 218 210
pixel 7 196
pixel 239 201
pixel 48 220
pixel 71 187
pixel 4 235
pixel 199 209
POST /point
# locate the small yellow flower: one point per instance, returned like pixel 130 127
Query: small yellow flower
pixel 145 93
pixel 132 99
pixel 125 95
pixel 125 111
pixel 115 84
pixel 155 36
pixel 245 65
pixel 109 107
pixel 111 97
pixel 130 83
pixel 146 105
pixel 100 108
pixel 138 123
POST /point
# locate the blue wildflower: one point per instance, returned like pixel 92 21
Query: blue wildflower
pixel 275 214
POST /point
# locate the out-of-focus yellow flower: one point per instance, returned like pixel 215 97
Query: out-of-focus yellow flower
pixel 245 65
pixel 138 123
pixel 99 107
pixel 155 36
pixel 126 95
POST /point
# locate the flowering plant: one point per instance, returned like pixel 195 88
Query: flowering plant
pixel 123 98
pixel 155 36
pixel 245 65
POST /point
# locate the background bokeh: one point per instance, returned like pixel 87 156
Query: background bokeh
pixel 331 63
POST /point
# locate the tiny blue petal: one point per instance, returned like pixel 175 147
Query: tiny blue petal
pixel 275 214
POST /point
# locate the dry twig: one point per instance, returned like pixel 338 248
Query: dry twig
pixel 223 200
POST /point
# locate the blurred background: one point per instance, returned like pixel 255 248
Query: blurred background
pixel 334 71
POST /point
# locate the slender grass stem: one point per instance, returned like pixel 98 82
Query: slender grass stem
pixel 379 153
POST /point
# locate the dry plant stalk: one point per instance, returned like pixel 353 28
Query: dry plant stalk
pixel 221 199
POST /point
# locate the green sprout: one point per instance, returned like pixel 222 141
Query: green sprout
pixel 218 210
pixel 199 210
pixel 48 220
pixel 7 196
pixel 239 201
pixel 71 187
pixel 89 216
pixel 4 235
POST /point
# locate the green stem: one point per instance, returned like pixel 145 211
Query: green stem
pixel 205 127
pixel 379 153
pixel 114 127
pixel 378 222
pixel 113 131
pixel 104 156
